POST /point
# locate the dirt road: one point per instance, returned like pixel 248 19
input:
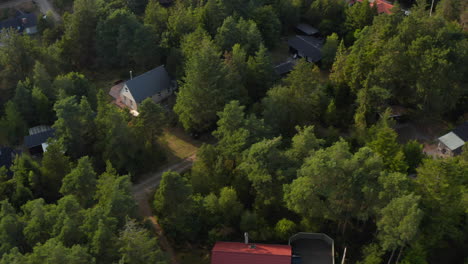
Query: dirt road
pixel 143 190
pixel 44 6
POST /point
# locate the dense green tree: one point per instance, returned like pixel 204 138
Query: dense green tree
pixel 304 143
pixel 331 176
pixel 413 154
pixel 241 31
pixel 419 75
pixel 329 51
pixel 42 106
pixel 205 90
pixel 75 84
pixel 54 251
pixel 17 56
pixel 43 81
pixel 300 102
pixel 114 195
pixel 399 222
pixel 10 228
pixel 268 24
pixel 136 44
pixel 12 125
pixel 288 12
pixel 24 102
pixel 116 140
pixel 450 9
pixel 212 15
pixel 27 180
pixel 358 16
pixel 263 165
pixel 328 15
pixel 66 217
pixel 137 6
pixel 37 226
pixel 441 184
pixel 77 44
pixel 285 228
pixel 80 182
pixel 260 74
pixel 55 165
pixel 74 126
pixel 177 207
pixel 138 247
pixel 156 16
pixel 181 21
pixel 385 144
pixel 150 121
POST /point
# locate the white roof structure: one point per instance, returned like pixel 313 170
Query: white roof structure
pixel 452 141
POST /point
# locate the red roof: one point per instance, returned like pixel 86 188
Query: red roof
pixel 240 253
pixel 382 6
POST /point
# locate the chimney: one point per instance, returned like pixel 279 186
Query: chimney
pixel 246 237
pixel 131 75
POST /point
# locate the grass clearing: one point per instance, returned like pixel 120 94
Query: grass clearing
pixel 178 145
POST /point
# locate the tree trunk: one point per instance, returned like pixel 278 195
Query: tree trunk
pixel 391 257
pixel 399 254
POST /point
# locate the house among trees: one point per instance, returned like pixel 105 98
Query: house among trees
pixel 303 248
pixel 382 5
pixel 36 142
pixel 308 45
pixel 452 143
pixel 234 252
pixel 26 23
pixel 155 84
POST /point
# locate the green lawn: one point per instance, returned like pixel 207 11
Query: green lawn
pixel 178 145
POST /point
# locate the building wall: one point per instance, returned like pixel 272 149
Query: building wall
pixel 162 95
pixel 127 98
pixel 444 150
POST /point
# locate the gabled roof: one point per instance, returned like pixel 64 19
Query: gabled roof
pixel 149 83
pixel 307 29
pixel 240 253
pixel 307 45
pixel 457 138
pixel 39 138
pixel 284 68
pixel 462 131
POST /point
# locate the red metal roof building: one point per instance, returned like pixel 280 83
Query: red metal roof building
pixel 382 6
pixel 241 253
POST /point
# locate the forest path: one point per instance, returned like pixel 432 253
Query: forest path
pixel 44 6
pixel 143 190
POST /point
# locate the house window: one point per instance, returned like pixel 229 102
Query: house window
pixel 126 89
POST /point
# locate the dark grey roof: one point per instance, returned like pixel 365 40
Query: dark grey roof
pixel 462 131
pixel 309 46
pixel 20 22
pixel 39 138
pixel 284 68
pixel 6 157
pixel 307 29
pixel 149 83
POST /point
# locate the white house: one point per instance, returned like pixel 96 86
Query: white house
pixel 155 84
pixel 453 142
